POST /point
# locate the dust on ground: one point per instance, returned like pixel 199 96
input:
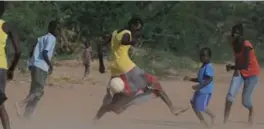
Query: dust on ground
pixel 70 103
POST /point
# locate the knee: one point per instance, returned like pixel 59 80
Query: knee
pixel 247 102
pixel 37 95
pixel 192 104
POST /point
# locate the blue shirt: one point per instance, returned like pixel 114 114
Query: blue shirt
pixel 205 71
pixel 46 42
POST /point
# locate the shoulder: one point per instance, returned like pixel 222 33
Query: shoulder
pixel 5 26
pixel 209 67
pixel 128 32
pixel 247 43
pixel 123 32
pixel 50 37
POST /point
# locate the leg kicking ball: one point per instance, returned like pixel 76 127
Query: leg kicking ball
pixel 116 85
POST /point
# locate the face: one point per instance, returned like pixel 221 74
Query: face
pixel 56 31
pixel 136 28
pixel 235 35
pixel 203 57
pixel 87 44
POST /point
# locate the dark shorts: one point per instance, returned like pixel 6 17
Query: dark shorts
pixel 137 79
pixel 200 101
pixel 3 78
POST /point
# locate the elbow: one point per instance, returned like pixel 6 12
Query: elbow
pixel 245 66
pixel 18 54
pixel 44 54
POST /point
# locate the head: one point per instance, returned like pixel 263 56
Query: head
pixel 237 32
pixel 135 24
pixel 53 27
pixel 87 44
pixel 205 55
pixel 2 8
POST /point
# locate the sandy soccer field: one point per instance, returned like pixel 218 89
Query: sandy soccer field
pixel 70 103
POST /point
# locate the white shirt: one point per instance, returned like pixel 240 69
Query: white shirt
pixel 46 42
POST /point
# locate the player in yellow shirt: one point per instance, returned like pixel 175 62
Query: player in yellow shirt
pixel 139 85
pixel 5 72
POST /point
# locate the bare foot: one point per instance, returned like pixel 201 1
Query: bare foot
pixel 205 124
pixel 251 116
pixel 250 120
pixel 18 109
pixel 225 119
pixel 180 111
pixel 212 120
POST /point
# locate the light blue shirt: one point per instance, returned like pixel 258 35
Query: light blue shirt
pixel 46 42
pixel 207 70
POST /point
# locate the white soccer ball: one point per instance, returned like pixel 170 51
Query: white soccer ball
pixel 116 85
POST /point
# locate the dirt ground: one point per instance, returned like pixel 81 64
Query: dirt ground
pixel 70 103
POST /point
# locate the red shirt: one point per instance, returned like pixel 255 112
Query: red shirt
pixel 253 66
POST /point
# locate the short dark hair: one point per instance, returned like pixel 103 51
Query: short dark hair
pixel 135 20
pixel 238 27
pixel 206 51
pixel 2 8
pixel 53 25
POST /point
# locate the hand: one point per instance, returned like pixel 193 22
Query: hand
pixel 186 78
pixel 236 73
pixel 10 74
pixel 50 70
pixel 228 67
pixel 196 87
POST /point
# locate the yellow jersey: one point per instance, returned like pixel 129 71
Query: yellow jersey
pixel 3 38
pixel 120 61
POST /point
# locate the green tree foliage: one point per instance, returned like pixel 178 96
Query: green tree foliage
pixel 172 31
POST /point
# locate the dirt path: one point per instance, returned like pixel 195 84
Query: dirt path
pixel 71 104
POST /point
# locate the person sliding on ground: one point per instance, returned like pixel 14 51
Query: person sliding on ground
pixel 139 86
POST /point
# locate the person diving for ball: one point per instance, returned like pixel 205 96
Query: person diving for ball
pixel 129 85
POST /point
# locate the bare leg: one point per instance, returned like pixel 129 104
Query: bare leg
pixel 227 110
pixel 4 117
pixel 113 105
pixel 101 112
pixel 250 116
pixel 168 102
pixel 212 116
pixel 86 70
pixel 200 116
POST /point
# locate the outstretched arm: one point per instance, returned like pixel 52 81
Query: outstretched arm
pixel 14 38
pixel 193 79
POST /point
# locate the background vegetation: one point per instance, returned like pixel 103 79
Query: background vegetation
pixel 173 31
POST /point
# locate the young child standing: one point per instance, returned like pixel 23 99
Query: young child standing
pixel 204 88
pixel 87 58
